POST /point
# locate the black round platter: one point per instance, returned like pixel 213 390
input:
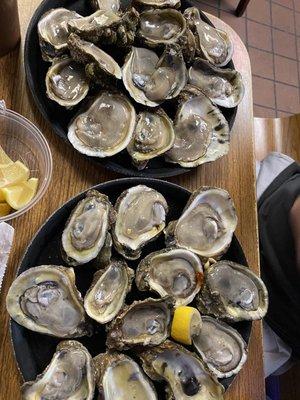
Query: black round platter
pixel 33 351
pixel 59 117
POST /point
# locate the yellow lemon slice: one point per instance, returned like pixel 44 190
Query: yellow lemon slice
pixel 5 209
pixel 12 174
pixel 186 324
pixel 18 196
pixel 4 159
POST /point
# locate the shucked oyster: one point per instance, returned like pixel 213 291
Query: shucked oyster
pixel 143 323
pixel 141 217
pixel 66 82
pixel 171 272
pixel 86 236
pixel 106 5
pixel 120 378
pixel 158 3
pixel 70 375
pixel 99 65
pixel 206 225
pixel 151 80
pixel 45 299
pixel 184 372
pixel 201 131
pixel 105 128
pixel 53 32
pixel 224 87
pixel 107 294
pixel 233 292
pixel 221 347
pixel 212 44
pixel 153 136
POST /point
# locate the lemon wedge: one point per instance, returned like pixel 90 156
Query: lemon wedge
pixel 18 196
pixel 186 324
pixel 4 159
pixel 5 209
pixel 12 174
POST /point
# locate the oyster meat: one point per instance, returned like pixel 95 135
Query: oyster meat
pixel 66 82
pixel 212 44
pixel 86 236
pixel 53 32
pixel 45 299
pixel 221 347
pixel 184 372
pixel 201 131
pixel 206 225
pixel 120 377
pixel 153 136
pixel 141 217
pixel 105 128
pixel 233 292
pixel 70 375
pixel 171 272
pixel 151 80
pixel 99 65
pixel 224 87
pixel 107 294
pixel 106 5
pixel 143 323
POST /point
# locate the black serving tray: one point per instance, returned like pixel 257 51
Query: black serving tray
pixel 59 117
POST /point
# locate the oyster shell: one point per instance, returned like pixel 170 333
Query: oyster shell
pixel 45 299
pixel 184 372
pixel 171 272
pixel 141 217
pixel 157 3
pixel 233 292
pixel 85 235
pixel 66 82
pixel 120 377
pixel 224 87
pixel 201 131
pixel 212 44
pixel 221 347
pixel 53 32
pixel 206 225
pixel 106 5
pixel 143 323
pixel 153 136
pixel 107 294
pixel 70 375
pixel 99 65
pixel 151 80
pixel 105 128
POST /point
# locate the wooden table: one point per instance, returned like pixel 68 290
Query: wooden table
pixel 73 174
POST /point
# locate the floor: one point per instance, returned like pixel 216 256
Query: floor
pixel 270 30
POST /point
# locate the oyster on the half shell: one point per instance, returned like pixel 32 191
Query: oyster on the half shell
pixel 157 3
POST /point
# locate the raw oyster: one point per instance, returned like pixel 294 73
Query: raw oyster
pixel 107 27
pixel 45 299
pixel 206 225
pixel 232 292
pixel 99 65
pixel 53 32
pixel 224 87
pixel 141 217
pixel 85 236
pixel 151 80
pixel 171 272
pixel 221 347
pixel 107 294
pixel 119 377
pixel 143 323
pixel 106 5
pixel 66 82
pixel 105 128
pixel 157 3
pixel 153 136
pixel 70 375
pixel 184 372
pixel 201 131
pixel 212 44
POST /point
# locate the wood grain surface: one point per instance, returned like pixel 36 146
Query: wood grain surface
pixel 73 174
